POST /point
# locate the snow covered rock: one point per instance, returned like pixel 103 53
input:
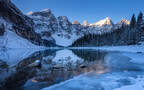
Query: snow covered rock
pixel 85 23
pixel 14 20
pixel 37 63
pixel 104 22
pixel 64 23
pixel 124 22
pixel 62 32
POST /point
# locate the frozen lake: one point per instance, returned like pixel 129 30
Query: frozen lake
pixel 77 69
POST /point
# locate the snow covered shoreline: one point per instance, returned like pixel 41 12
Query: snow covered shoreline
pixel 131 48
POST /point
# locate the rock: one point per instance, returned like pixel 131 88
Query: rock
pixel 64 23
pixel 83 66
pixel 3 65
pixel 37 63
pixel 57 66
pixel 21 24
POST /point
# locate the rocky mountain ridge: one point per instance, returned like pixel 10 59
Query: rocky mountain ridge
pixel 43 28
pixel 63 31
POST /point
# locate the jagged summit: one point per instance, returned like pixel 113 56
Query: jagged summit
pixel 63 18
pixel 85 23
pixel 124 21
pixel 30 13
pixel 46 10
pixel 76 22
pixel 106 21
pixel 44 13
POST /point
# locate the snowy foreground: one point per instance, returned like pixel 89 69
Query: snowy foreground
pixel 124 67
pixel 112 81
pixel 127 73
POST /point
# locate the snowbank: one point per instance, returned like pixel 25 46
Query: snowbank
pixel 139 85
pixel 12 40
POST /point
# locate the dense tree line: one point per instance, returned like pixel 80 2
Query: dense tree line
pixel 125 35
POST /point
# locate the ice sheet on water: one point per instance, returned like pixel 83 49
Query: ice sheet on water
pixel 91 81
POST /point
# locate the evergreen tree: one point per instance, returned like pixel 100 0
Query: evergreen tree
pixel 140 19
pixel 133 21
pixel 2 29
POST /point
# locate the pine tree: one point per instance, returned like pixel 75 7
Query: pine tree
pixel 2 29
pixel 140 19
pixel 133 21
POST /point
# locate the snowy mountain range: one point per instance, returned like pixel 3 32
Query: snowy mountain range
pixel 64 32
pixel 44 29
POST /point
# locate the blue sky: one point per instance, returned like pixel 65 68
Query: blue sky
pixel 90 10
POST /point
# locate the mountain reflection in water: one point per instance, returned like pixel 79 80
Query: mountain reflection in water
pixel 55 66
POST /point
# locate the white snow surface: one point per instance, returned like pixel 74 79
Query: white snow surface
pixel 123 80
pixel 139 85
pixel 92 81
pixel 12 40
pixel 106 21
pixel 63 41
pixel 135 58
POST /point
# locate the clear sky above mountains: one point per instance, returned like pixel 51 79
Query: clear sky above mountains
pixel 90 10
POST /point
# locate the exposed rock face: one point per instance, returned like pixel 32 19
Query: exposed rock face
pixel 64 32
pixel 64 23
pixel 21 24
pixel 44 18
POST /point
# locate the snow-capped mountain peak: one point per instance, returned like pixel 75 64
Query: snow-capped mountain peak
pixel 46 10
pixel 30 13
pixel 106 21
pixel 44 13
pixel 124 21
pixel 85 23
